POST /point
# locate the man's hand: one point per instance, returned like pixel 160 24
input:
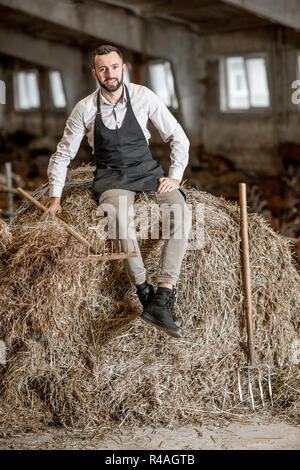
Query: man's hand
pixel 55 207
pixel 167 184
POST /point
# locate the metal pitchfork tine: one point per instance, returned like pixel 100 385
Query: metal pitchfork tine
pixel 248 307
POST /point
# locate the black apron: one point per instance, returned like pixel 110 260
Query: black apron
pixel 123 158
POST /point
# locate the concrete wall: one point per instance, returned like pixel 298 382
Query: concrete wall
pixel 48 54
pixel 250 139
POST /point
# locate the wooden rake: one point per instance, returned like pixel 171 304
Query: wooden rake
pixel 252 366
pixel 96 256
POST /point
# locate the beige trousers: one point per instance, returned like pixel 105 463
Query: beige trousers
pixel 118 206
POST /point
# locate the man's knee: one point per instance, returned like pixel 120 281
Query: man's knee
pixel 115 196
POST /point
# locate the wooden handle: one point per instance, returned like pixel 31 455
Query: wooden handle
pixel 246 271
pixel 69 229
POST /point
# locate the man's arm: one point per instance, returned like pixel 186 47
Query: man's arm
pixel 171 132
pixel 66 150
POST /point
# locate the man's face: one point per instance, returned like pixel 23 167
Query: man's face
pixel 109 70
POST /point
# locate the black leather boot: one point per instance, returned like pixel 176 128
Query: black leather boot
pixel 145 293
pixel 159 312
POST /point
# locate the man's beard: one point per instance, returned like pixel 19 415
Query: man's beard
pixel 112 88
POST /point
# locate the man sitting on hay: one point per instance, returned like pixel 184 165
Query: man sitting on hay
pixel 114 118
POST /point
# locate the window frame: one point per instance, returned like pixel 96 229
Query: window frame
pixel 223 84
pixel 53 107
pixel 129 70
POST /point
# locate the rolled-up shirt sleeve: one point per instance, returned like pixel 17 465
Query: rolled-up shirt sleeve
pixel 66 150
pixel 170 131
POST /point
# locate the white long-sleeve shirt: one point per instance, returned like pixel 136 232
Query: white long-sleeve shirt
pixel 145 104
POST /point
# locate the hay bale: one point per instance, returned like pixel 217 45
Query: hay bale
pixel 77 354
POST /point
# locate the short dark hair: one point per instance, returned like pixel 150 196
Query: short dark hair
pixel 106 49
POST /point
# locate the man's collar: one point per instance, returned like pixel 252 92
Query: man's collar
pixel 122 100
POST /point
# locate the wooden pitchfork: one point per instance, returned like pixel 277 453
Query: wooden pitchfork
pixel 96 256
pixel 252 364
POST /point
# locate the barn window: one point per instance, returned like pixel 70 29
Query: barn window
pixel 243 83
pixel 26 90
pixel 161 81
pixel 57 89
